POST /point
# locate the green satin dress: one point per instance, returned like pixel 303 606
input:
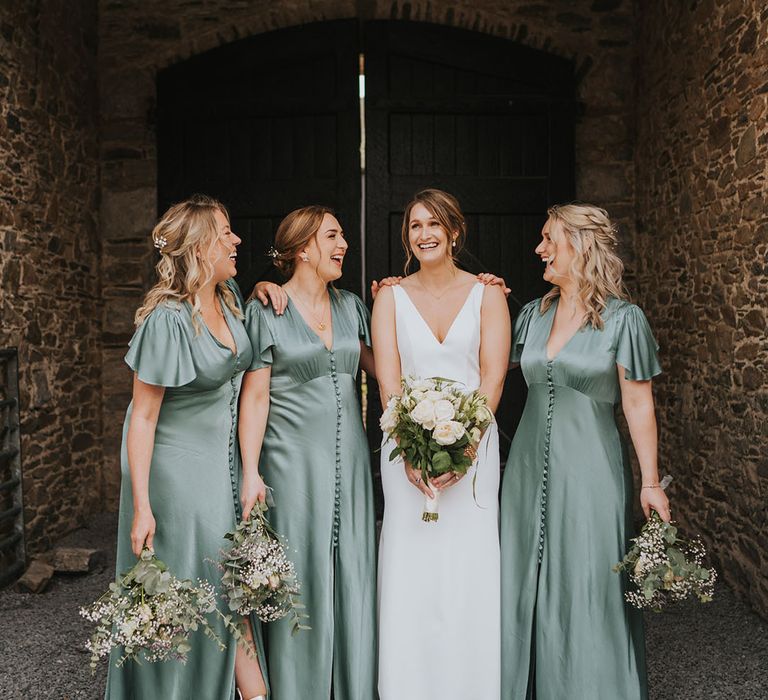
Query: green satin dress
pixel 315 457
pixel 566 515
pixel 193 485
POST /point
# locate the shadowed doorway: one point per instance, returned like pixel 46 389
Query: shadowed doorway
pixel 359 116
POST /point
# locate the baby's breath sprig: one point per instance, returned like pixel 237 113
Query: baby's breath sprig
pixel 665 568
pixel 258 577
pixel 150 614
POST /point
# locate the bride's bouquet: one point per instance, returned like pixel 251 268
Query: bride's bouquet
pixel 258 575
pixel 437 426
pixel 665 568
pixel 150 613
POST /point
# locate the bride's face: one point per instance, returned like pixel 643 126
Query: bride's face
pixel 429 241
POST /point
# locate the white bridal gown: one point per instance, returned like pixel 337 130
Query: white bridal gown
pixel 439 591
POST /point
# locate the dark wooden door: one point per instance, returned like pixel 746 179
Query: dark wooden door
pixel 480 117
pixel 266 125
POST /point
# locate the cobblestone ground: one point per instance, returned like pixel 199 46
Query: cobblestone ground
pixel 695 652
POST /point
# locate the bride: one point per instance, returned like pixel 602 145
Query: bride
pixel 439 631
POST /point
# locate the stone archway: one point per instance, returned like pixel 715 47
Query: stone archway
pixel 136 41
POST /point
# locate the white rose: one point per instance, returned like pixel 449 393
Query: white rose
pixel 433 395
pixel 483 415
pixel 457 428
pixel 388 420
pixel 443 433
pixel 418 396
pixel 424 414
pixel 444 410
pixel 422 385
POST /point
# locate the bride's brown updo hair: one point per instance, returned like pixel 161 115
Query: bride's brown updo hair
pixel 596 269
pixel 445 208
pixel 293 235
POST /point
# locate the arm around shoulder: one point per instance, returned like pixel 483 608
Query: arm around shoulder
pixel 495 338
pixel 385 352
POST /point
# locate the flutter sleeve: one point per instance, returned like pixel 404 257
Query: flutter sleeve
pixel 160 351
pixel 260 334
pixel 363 319
pixel 636 348
pixel 520 330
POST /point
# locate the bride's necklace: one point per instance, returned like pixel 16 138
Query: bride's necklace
pixel 436 297
pixel 319 322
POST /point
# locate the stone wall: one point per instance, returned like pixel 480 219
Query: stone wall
pixel 136 39
pixel 49 254
pixel 701 247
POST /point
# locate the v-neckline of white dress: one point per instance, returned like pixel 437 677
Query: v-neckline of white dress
pixel 453 322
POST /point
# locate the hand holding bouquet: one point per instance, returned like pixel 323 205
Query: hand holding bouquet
pixel 150 612
pixel 437 427
pixel 665 568
pixel 258 576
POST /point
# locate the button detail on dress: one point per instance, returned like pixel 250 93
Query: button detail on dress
pixel 545 474
pixel 337 474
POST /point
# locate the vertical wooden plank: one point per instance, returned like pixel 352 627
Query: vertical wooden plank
pixel 283 148
pixel 488 132
pixel 466 145
pixel 261 148
pixel 423 144
pixel 400 144
pixel 324 128
pixel 445 144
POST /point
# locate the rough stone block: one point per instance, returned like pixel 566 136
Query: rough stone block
pixel 36 578
pixel 78 559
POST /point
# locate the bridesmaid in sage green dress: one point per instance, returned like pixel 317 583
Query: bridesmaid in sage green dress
pixel 180 462
pixel 566 505
pixel 301 427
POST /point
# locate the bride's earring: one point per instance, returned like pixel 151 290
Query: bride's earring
pixel 304 257
pixel 454 243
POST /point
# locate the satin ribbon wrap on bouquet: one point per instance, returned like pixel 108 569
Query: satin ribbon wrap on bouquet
pixel 436 425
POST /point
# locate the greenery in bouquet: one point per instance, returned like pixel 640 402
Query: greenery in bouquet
pixel 664 568
pixel 258 577
pixel 436 425
pixel 149 613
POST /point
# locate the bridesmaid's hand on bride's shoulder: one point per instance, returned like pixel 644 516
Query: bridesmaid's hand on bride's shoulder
pixel 386 282
pixel 254 489
pixel 271 293
pixel 414 476
pixel 488 278
pixel 142 530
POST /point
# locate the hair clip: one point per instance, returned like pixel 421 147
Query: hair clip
pixel 160 242
pixel 273 253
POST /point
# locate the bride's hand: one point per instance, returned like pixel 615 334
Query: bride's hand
pixel 445 480
pixel 414 476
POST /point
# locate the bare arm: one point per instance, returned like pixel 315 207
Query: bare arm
pixel 385 353
pixel 495 338
pixel 140 444
pixel 637 404
pixel 252 424
pixel 387 359
pixel 367 362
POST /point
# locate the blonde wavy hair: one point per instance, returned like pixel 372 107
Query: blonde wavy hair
pixel 596 268
pixel 184 230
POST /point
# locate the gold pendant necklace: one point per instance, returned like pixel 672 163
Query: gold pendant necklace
pixel 319 322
